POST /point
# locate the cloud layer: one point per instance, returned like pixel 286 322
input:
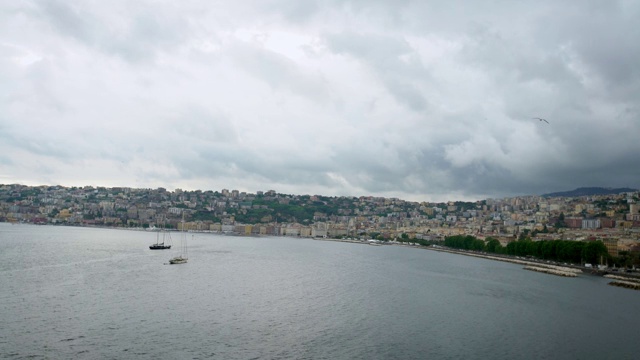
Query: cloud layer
pixel 411 99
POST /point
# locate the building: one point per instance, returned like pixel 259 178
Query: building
pixel 573 222
pixel 591 223
pixel 612 246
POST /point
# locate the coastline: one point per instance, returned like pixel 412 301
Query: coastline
pixel 626 280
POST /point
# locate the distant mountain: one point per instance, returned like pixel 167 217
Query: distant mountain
pixel 589 191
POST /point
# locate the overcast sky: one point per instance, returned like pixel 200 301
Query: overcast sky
pixel 420 100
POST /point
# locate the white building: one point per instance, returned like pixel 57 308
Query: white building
pixel 590 223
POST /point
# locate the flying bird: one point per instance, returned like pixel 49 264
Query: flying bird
pixel 541 119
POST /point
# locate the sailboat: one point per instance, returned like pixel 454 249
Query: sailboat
pixel 165 244
pixel 182 258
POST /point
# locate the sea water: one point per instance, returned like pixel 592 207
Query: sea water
pixel 89 293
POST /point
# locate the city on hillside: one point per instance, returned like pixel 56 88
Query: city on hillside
pixel 612 219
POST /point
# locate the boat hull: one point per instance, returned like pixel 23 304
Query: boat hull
pixel 159 247
pixel 178 260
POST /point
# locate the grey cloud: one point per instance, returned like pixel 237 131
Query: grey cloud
pixel 148 34
pixel 382 50
pixel 302 12
pixel 235 162
pixel 196 123
pixel 35 142
pixel 382 54
pixel 608 47
pixel 137 38
pixel 295 11
pixel 69 20
pixel 279 72
pixel 418 99
pixel 408 94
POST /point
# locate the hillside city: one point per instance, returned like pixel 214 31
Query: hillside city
pixel 613 219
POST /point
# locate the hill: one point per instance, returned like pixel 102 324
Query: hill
pixel 589 191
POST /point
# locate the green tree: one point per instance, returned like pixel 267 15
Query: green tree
pixel 593 251
pixel 548 249
pixel 534 248
pixel 493 245
pixel 624 259
pixel 464 242
pixel 560 222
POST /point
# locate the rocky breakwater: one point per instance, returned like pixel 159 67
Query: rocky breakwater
pixel 625 282
pixel 554 270
pixel 528 265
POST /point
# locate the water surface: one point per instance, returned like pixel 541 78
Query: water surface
pixel 101 293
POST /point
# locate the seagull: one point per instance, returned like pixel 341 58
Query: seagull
pixel 541 119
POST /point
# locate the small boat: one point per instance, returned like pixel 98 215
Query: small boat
pixel 182 258
pixel 164 245
pixel 178 260
pixel 160 246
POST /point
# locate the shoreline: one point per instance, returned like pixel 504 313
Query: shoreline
pixel 620 279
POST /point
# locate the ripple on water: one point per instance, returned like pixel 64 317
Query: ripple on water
pixel 100 293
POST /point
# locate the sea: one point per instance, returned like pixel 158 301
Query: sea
pixel 92 293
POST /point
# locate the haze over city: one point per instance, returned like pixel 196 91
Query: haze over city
pixel 419 100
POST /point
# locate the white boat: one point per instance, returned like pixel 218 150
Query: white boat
pixel 178 260
pixel 182 258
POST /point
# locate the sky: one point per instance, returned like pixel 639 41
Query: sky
pixel 418 100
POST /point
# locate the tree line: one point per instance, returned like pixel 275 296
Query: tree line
pixel 578 252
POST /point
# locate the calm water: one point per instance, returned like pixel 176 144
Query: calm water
pixel 98 293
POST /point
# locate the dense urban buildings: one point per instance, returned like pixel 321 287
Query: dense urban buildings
pixel 613 219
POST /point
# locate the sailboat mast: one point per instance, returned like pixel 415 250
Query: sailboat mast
pixel 182 258
pixel 184 238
